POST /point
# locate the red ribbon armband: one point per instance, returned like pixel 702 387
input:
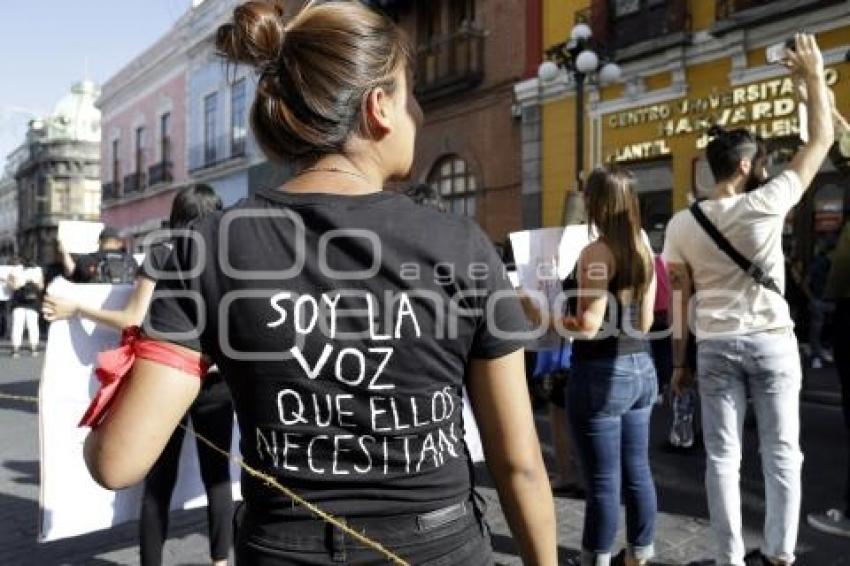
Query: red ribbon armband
pixel 113 368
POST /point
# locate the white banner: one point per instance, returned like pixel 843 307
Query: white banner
pixel 67 385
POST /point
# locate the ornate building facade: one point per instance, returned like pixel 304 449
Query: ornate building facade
pixel 8 214
pixel 58 172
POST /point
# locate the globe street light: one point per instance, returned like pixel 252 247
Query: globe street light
pixel 577 57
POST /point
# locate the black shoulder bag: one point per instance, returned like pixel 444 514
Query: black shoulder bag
pixel 751 269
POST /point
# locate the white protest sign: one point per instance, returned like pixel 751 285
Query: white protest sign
pixel 544 258
pixel 79 237
pixel 67 386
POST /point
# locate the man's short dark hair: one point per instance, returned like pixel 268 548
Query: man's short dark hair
pixel 728 148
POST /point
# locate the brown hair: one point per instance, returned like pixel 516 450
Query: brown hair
pixel 315 71
pixel 612 207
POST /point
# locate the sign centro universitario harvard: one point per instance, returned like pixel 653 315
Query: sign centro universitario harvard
pixel 767 108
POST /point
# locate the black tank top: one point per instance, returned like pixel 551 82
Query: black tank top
pixel 617 342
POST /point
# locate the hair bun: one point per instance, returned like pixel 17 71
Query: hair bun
pixel 255 35
pixel 315 71
pixel 716 131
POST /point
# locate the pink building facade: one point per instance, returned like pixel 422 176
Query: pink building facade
pixel 143 147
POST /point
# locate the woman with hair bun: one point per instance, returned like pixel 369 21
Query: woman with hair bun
pixel 346 319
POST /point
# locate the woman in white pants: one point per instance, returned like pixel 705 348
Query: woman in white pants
pixel 26 281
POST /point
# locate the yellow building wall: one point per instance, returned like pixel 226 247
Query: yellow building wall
pixel 702 14
pixel 559 132
pixel 659 81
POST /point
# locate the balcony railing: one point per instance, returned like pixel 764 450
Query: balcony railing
pixel 110 191
pixel 222 150
pixel 656 21
pixel 135 182
pixel 736 14
pixel 450 64
pixel 160 173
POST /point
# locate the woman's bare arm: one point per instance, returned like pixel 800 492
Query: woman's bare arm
pixel 502 408
pixel 132 314
pixel 595 271
pixel 148 408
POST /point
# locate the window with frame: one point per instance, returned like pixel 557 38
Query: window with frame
pixel 238 122
pixel 165 137
pixel 210 109
pixel 456 184
pixel 40 196
pixel 116 163
pixel 440 18
pixel 61 203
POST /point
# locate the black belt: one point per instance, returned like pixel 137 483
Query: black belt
pixel 295 531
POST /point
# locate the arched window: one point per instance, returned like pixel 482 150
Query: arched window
pixel 456 184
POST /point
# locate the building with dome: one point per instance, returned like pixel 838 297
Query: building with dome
pixel 58 171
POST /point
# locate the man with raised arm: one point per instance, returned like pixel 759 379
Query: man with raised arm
pixel 726 254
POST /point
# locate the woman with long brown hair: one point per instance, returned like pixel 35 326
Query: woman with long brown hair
pixel 346 319
pixel 613 385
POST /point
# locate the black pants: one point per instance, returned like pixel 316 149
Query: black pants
pixel 841 347
pixel 212 417
pixel 454 541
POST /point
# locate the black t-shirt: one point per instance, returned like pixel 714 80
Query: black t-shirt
pixel 155 260
pixel 343 325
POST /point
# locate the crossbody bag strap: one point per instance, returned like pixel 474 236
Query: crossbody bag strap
pixel 751 269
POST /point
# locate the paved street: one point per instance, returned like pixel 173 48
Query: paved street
pixel 682 528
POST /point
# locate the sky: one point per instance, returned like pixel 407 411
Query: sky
pixel 45 45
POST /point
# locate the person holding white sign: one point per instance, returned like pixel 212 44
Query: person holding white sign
pixel 613 384
pixel 211 412
pixel 347 319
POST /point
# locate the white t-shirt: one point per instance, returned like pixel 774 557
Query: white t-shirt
pixel 728 301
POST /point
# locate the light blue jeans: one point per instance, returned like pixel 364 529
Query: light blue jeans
pixel 768 364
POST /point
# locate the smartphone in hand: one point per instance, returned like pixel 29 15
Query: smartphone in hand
pixel 777 53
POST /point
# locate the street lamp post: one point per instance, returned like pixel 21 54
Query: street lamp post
pixel 578 58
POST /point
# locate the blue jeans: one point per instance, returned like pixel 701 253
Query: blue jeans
pixel 768 363
pixel 610 402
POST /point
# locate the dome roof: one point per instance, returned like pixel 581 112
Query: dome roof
pixel 75 115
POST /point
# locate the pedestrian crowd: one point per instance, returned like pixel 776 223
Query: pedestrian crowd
pixel 315 312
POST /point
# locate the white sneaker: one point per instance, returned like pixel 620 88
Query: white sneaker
pixel 817 363
pixel 833 522
pixel 827 357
